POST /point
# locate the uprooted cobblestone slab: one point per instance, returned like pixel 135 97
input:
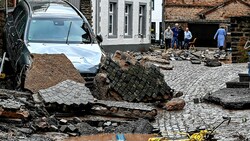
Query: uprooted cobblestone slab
pixel 133 81
pixel 231 98
pixel 123 109
pixel 67 92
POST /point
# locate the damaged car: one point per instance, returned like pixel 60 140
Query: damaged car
pixel 50 27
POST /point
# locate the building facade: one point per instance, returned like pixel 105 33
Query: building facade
pixel 203 17
pixel 156 21
pixel 123 24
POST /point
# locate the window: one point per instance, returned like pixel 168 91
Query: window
pixel 128 20
pixel 153 4
pixel 112 23
pixel 142 20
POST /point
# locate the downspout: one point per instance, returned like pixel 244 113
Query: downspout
pixel 96 14
pixel 6 9
pixel 163 22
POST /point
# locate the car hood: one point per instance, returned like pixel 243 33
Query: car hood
pixel 85 57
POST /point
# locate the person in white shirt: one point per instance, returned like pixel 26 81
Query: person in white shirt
pixel 187 37
pixel 168 36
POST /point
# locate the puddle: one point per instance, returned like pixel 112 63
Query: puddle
pixel 112 137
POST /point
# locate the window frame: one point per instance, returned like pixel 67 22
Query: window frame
pixel 142 15
pixel 113 19
pixel 128 19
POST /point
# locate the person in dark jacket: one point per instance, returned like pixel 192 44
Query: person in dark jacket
pixel 175 35
pixel 181 38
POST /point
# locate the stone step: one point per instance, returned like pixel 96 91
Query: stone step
pixel 244 77
pixel 235 84
pixel 230 98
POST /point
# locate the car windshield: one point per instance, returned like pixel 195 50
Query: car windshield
pixel 58 31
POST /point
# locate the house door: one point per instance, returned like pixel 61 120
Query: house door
pixel 204 34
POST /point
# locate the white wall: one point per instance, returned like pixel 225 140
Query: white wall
pixel 157 17
pixel 120 36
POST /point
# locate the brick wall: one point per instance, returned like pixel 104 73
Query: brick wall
pixel 240 28
pixel 2 21
pixel 86 9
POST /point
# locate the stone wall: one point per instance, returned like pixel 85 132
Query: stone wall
pixel 240 29
pixel 240 33
pixel 86 9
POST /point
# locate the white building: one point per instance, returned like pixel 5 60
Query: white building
pixel 156 20
pixel 123 24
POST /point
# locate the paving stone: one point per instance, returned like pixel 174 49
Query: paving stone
pixel 231 98
pixel 80 94
pixel 195 81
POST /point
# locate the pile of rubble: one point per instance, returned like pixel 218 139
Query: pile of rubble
pixel 210 57
pixel 24 114
pixel 123 99
pixel 126 79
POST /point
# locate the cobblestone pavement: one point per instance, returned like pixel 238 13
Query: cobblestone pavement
pixel 195 81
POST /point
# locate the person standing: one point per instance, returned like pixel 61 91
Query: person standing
pixel 168 35
pixel 180 38
pixel 175 35
pixel 187 37
pixel 220 35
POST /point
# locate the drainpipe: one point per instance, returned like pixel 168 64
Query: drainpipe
pixel 6 9
pixel 96 14
pixel 163 22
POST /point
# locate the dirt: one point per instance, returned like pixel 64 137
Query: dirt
pixel 112 137
pixel 48 70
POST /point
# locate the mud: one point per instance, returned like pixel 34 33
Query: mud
pixel 112 137
pixel 48 70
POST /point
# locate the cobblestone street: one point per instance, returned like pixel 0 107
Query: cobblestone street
pixel 195 81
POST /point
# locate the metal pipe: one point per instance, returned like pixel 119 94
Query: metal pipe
pixel 3 59
pixel 6 9
pixel 96 16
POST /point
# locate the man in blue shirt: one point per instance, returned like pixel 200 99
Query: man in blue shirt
pixel 175 35
pixel 187 37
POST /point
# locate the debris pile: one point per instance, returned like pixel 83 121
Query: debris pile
pixel 210 57
pixel 22 115
pixel 48 70
pixel 127 79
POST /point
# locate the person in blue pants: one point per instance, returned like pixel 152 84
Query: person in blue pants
pixel 247 45
pixel 175 35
